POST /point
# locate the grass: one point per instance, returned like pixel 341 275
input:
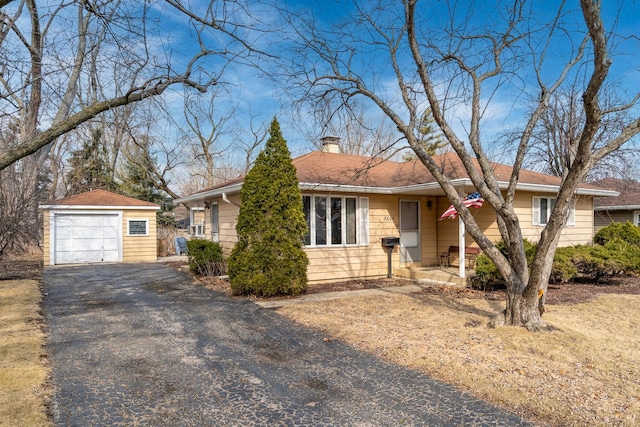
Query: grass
pixel 23 371
pixel 584 371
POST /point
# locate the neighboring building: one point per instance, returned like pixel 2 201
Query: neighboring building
pixel 622 208
pixel 99 226
pixel 352 202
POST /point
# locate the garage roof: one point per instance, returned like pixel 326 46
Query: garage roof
pixel 102 199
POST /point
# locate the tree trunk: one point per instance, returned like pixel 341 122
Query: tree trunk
pixel 521 310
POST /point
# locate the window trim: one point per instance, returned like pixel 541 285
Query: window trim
pixel 146 226
pixel 361 221
pixel 536 212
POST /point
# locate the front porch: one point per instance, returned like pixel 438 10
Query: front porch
pixel 439 275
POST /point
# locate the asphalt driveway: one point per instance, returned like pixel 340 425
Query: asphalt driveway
pixel 141 345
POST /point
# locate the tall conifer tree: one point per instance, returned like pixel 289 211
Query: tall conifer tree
pixel 268 258
pixel 137 181
pixel 89 167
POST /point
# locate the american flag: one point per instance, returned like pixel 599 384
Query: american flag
pixel 473 200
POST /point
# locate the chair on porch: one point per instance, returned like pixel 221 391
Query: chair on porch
pixel 470 254
pixel 181 245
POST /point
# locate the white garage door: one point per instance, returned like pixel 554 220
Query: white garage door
pixel 81 238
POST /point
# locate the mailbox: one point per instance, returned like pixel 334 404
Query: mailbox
pixel 390 241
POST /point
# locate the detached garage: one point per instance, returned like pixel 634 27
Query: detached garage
pixel 99 226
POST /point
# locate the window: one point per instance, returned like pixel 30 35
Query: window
pixel 336 221
pixel 196 221
pixel 542 207
pixel 636 218
pixel 137 227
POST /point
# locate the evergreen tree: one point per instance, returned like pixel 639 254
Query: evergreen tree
pixel 430 137
pixel 268 258
pixel 137 181
pixel 89 167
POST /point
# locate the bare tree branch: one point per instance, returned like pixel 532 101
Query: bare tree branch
pixel 38 141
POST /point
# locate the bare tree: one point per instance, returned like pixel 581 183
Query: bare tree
pixel 111 38
pixel 361 133
pixel 557 134
pixel 463 62
pixel 216 146
pixel 207 123
pixel 19 188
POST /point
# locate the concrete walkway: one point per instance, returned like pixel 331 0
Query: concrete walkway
pixel 141 345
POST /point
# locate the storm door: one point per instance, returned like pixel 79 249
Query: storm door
pixel 409 231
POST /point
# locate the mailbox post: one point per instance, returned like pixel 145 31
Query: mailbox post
pixel 390 243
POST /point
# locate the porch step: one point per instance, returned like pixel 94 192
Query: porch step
pixel 442 276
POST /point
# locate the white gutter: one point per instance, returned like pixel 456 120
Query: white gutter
pixel 617 208
pixel 342 188
pixel 217 192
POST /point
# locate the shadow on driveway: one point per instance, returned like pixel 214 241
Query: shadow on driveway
pixel 140 344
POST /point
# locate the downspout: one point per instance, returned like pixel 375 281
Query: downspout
pixel 224 198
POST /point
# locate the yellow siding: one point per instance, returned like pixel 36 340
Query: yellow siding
pixel 580 233
pixel 139 248
pixel 227 218
pixel 331 263
pixel 46 241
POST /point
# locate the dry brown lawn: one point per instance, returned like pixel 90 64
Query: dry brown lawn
pixel 582 371
pixel 23 372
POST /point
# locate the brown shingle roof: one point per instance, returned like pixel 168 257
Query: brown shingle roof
pixel 329 168
pixel 321 168
pixel 101 198
pixel 629 193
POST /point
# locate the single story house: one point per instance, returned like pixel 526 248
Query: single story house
pixel 99 226
pixel 622 208
pixel 351 203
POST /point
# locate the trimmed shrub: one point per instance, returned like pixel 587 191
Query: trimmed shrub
pixel 563 268
pixel 624 231
pixel 205 257
pixel 624 254
pixel 486 271
pixel 616 252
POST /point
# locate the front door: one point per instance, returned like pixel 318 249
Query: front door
pixel 409 231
